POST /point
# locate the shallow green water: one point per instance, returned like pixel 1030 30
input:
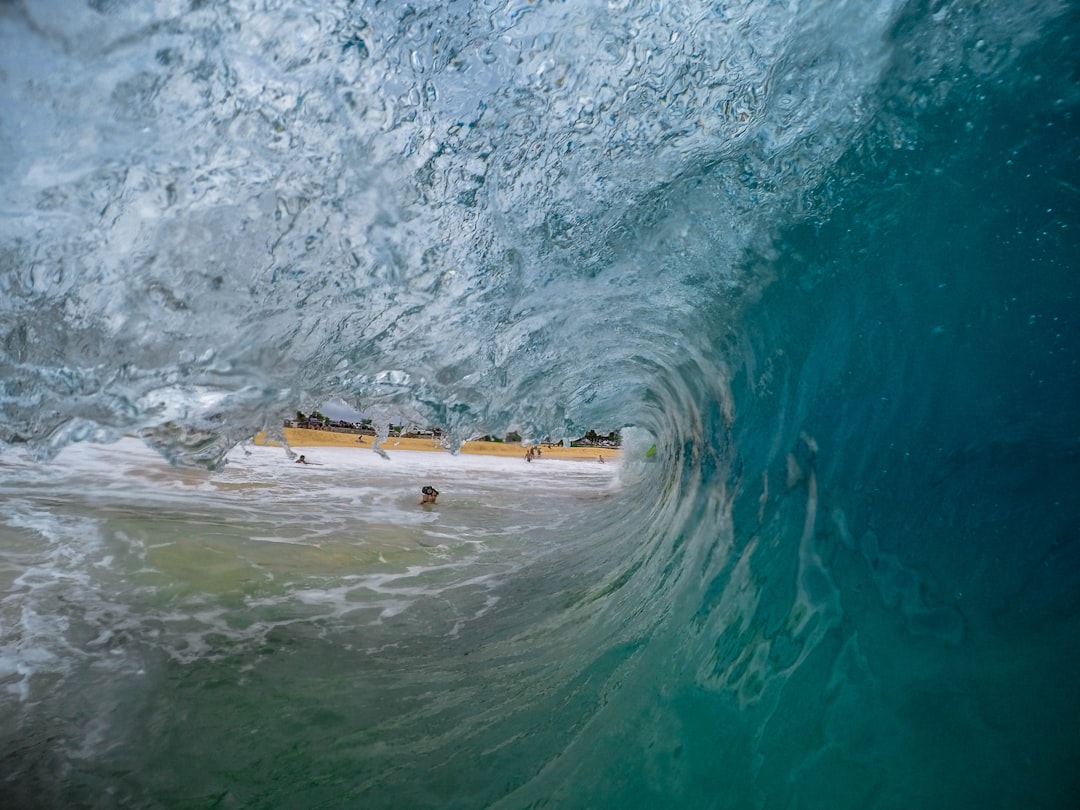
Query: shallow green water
pixel 240 638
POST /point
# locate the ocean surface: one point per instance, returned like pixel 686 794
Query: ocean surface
pixel 822 256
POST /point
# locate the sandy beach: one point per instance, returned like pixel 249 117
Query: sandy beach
pixel 300 437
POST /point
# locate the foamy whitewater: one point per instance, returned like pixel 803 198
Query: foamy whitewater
pixel 820 255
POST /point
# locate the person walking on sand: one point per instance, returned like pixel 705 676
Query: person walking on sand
pixel 429 495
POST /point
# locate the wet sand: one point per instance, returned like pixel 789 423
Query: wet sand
pixel 300 437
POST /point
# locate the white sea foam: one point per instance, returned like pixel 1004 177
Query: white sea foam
pixel 142 555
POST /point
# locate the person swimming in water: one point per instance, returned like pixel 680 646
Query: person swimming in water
pixel 429 494
pixel 301 460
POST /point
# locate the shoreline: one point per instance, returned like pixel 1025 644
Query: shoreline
pixel 303 437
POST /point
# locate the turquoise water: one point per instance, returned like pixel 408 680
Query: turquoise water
pixel 278 635
pixel 822 257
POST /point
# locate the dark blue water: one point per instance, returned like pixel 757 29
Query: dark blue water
pixel 823 256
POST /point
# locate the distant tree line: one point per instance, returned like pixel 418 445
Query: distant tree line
pixel 318 421
pixel 590 439
pixel 594 439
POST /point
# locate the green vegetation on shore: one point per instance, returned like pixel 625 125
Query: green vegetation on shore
pixel 365 427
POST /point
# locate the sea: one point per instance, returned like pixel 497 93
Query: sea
pixel 815 260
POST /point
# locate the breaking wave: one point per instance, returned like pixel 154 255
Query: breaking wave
pixel 822 255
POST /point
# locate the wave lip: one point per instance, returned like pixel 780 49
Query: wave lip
pixel 414 208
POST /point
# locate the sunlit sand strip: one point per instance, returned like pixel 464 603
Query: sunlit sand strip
pixel 301 437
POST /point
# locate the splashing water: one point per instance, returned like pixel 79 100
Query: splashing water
pixel 820 255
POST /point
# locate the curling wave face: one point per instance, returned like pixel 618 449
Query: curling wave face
pixel 815 253
pixel 489 218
